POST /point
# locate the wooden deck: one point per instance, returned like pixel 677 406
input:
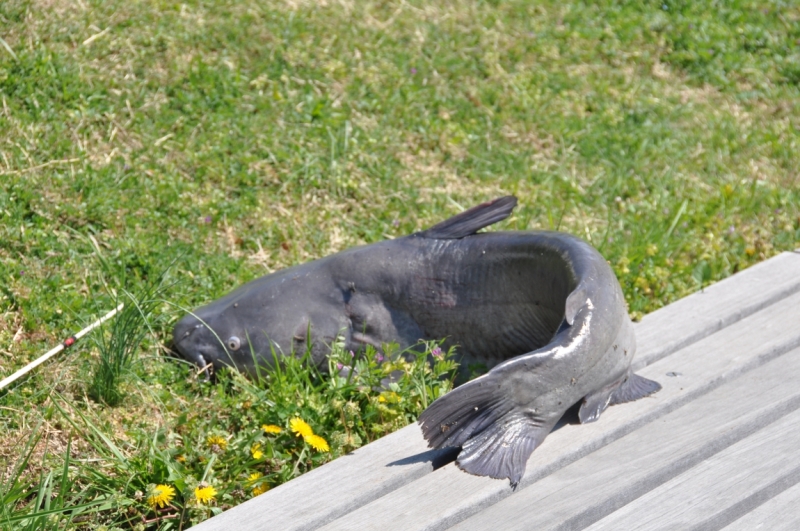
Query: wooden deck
pixel 716 448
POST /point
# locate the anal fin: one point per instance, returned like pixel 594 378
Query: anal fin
pixel 634 388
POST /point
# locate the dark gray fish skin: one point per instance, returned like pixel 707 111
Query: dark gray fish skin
pixel 396 290
pixel 543 308
pixel 499 418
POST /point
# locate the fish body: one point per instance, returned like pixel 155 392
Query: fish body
pixel 499 418
pixel 543 309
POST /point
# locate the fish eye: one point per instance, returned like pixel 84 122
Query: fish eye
pixel 234 343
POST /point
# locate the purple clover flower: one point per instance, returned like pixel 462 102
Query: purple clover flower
pixel 437 352
pixel 339 366
pixel 413 70
pixel 352 354
pixel 379 357
pixel 207 219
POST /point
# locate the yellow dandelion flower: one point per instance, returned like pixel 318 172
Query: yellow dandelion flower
pixel 160 496
pixel 256 452
pixel 204 492
pixel 181 458
pixel 300 427
pixel 271 428
pixel 389 397
pixel 217 440
pixel 317 442
pixel 252 479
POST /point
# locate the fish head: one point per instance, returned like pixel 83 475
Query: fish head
pixel 217 334
pixel 261 323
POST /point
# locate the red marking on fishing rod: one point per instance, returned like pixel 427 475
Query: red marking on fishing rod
pixel 69 341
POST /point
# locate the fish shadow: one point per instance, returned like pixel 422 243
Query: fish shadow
pixel 437 458
pixel 570 416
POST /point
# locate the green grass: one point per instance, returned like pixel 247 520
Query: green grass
pixel 118 350
pixel 233 138
pixel 226 438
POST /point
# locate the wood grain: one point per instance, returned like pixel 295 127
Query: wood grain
pixel 603 482
pixel 777 514
pixel 720 305
pixel 448 496
pixel 720 489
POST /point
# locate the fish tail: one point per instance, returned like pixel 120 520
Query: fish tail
pixel 469 409
pixel 496 438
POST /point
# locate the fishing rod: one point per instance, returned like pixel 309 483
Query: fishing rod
pixel 64 345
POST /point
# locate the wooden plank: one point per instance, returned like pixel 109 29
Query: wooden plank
pixel 601 483
pixel 367 474
pixel 720 489
pixel 337 488
pixel 717 306
pixel 778 514
pixel 440 500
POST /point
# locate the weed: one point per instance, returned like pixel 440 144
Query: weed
pixel 119 348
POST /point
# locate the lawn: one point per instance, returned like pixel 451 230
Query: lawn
pixel 167 152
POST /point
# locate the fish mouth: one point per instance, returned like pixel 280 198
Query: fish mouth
pixel 204 357
pixel 186 342
pixel 191 353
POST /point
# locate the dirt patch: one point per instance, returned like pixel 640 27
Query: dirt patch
pixel 436 178
pixel 59 8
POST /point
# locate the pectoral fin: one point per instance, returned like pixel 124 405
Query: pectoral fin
pixel 594 404
pixel 575 301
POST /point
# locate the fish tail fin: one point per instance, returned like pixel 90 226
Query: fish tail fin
pixel 496 438
pixel 634 388
pixel 472 220
pixel 502 450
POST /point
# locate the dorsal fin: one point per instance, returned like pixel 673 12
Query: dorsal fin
pixel 472 220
